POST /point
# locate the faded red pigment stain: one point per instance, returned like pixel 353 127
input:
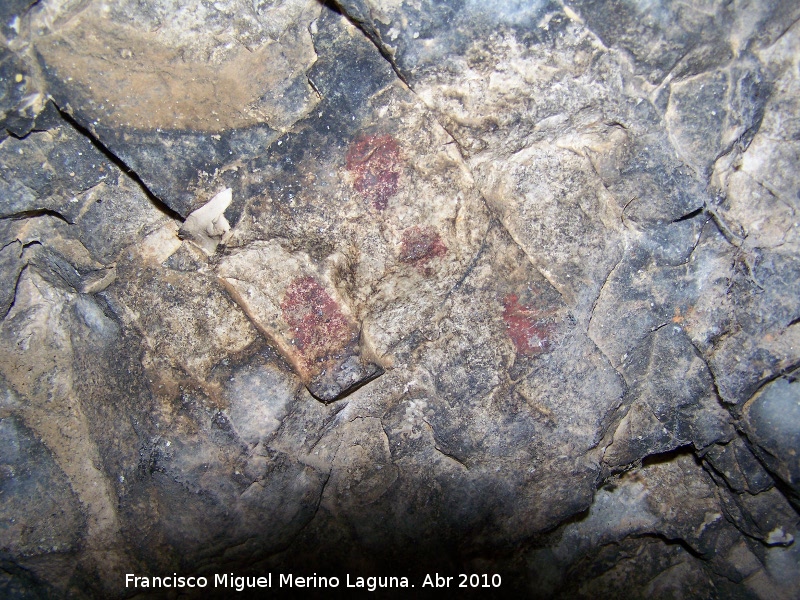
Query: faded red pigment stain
pixel 529 329
pixel 318 326
pixel 374 160
pixel 419 246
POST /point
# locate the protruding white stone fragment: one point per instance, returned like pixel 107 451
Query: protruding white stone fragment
pixel 779 537
pixel 207 226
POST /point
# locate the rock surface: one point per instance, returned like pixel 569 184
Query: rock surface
pixel 401 288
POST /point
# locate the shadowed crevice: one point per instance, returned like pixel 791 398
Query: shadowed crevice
pixel 119 163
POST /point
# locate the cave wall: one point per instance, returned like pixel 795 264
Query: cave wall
pixel 399 288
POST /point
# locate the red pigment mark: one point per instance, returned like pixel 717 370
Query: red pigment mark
pixel 528 328
pixel 419 246
pixel 318 325
pixel 374 161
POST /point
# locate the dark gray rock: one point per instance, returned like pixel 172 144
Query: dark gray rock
pixel 738 465
pixel 401 288
pixel 17 105
pixel 759 344
pixel 184 107
pixel 10 266
pixel 766 516
pixel 50 171
pixel 11 14
pixel 40 513
pixel 771 423
pixel 660 415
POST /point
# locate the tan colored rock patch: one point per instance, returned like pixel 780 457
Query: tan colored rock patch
pixel 133 79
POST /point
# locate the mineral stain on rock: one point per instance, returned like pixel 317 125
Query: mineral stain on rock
pixel 374 162
pixel 319 327
pixel 419 246
pixel 590 380
pixel 530 329
pixel 302 315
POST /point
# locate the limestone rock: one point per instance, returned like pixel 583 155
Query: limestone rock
pixel 400 288
pixel 771 419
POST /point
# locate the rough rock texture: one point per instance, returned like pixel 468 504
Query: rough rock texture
pixel 401 288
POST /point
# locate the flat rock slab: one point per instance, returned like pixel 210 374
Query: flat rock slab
pixel 403 288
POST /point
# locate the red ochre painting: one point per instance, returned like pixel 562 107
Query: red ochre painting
pixel 531 330
pixel 319 328
pixel 374 162
pixel 419 246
